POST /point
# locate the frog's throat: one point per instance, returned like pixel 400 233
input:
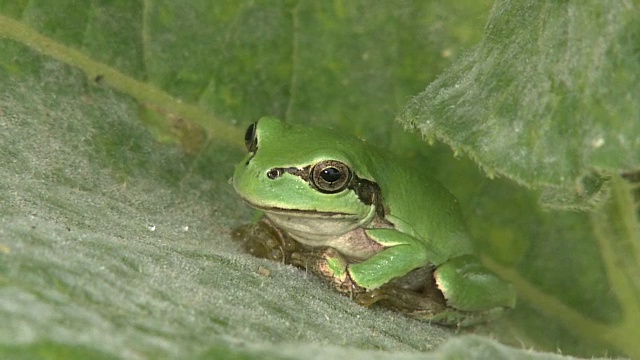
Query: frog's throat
pixel 343 232
pixel 318 228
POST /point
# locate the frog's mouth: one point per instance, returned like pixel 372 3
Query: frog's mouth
pixel 298 213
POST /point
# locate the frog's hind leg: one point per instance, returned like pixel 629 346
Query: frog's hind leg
pixel 461 292
pixel 473 293
pixel 470 286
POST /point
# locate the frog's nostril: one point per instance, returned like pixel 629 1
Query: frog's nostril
pixel 274 173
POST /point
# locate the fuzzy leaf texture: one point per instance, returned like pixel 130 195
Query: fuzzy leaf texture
pixel 121 123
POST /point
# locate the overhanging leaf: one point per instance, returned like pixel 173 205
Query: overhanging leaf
pixel 550 94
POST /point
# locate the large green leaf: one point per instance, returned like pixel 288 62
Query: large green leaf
pixel 120 124
pixel 550 94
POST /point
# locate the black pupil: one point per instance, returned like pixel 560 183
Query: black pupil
pixel 330 174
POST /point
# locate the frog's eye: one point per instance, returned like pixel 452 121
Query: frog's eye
pixel 250 139
pixel 330 176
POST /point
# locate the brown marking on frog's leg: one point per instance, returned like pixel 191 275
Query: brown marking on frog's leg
pixel 264 240
pixel 414 294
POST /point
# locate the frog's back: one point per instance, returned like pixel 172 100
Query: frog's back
pixel 419 205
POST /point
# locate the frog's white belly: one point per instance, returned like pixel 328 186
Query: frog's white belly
pixel 342 232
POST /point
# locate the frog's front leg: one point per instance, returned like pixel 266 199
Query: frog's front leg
pixel 330 265
pixel 400 255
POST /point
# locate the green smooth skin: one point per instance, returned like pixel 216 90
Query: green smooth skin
pixel 421 226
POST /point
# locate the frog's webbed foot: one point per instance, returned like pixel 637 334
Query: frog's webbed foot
pixel 266 241
pixel 414 304
pixel 414 294
pixel 329 265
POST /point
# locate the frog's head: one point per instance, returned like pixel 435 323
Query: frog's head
pixel 300 174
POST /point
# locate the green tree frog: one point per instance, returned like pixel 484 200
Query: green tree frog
pixel 377 229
